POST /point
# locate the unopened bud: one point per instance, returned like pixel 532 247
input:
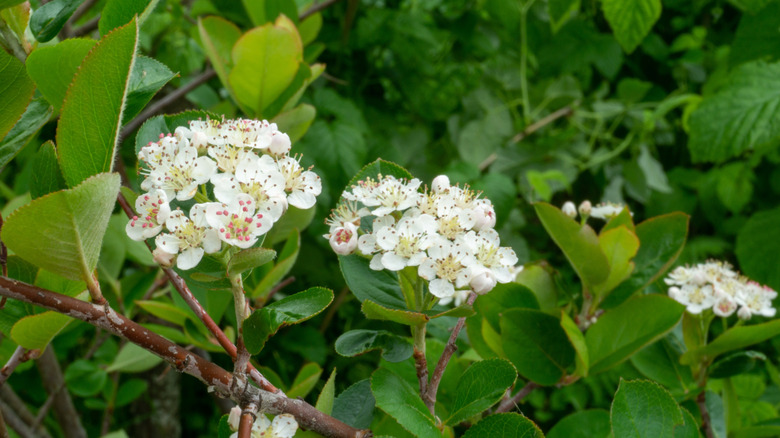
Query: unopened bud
pixel 744 313
pixel 482 283
pixel 199 140
pixel 440 184
pixel 164 259
pixel 280 144
pixel 344 239
pixel 569 209
pixel 485 217
pixel 585 208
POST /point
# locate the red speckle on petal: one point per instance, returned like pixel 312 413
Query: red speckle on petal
pixel 219 213
pixel 227 235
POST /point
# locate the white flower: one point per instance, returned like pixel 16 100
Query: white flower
pixel 211 129
pixel 492 262
pixel 228 157
pixel 162 258
pixel 392 195
pixel 176 168
pixel 724 306
pixel 255 134
pixel 606 211
pixel 482 280
pixel 458 298
pixel 569 209
pixel 153 209
pixel 446 267
pixel 302 186
pixel 585 208
pixel 280 144
pixel 440 184
pixel 695 298
pixel 257 177
pixel 237 223
pixel 347 212
pixel 756 300
pixel 283 426
pixel 189 236
pixel 405 243
pixel 484 215
pixel 343 240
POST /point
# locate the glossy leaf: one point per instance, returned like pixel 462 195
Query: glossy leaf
pixel 305 381
pixel 735 338
pixel 46 176
pixel 133 359
pixel 15 94
pixel 354 342
pixel 293 309
pixel 64 58
pixel 265 61
pixel 91 117
pixel 47 21
pixel 35 116
pixel 396 397
pixel 75 219
pixel 506 425
pixel 504 297
pixel 620 245
pixel 660 362
pixel 373 310
pixel 689 429
pixel 380 287
pixel 119 12
pixel 355 405
pixel 644 409
pixel 591 423
pixel 577 340
pixel 296 121
pixel 146 79
pixel 218 37
pixel 85 378
pixel 662 239
pixel 536 344
pixel 482 385
pixel 757 259
pixel 631 21
pixel 579 243
pixel 248 259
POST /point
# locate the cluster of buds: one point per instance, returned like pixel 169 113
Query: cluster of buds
pixel 446 232
pixel 716 285
pixel 253 179
pixel 283 426
pixel 604 211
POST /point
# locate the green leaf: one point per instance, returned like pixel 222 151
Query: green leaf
pixel 287 257
pixel 218 36
pixel 63 58
pixel 373 310
pixel 644 409
pixel 662 239
pixel 380 287
pixel 35 116
pixel 340 147
pixel 290 310
pixel 224 430
pixel 620 245
pixel 85 378
pixel 757 259
pixel 481 386
pixel 690 429
pixel 740 116
pixel 8 3
pixel 327 395
pixel 735 338
pixel 631 21
pixel 263 11
pixel 757 36
pixel 561 11
pixel 354 342
pixel 660 362
pixel 536 344
pixel 578 242
pixel 577 340
pixel 735 185
pixel 305 381
pixel 46 176
pixel 133 359
pixel 165 311
pixel 624 330
pixel 355 406
pixel 15 94
pixel 734 364
pixel 47 21
pixel 504 297
pixel 36 331
pixel 591 423
pixel 396 397
pixel 507 425
pixel 119 12
pixel 91 117
pixel 129 391
pixel 266 59
pixel 75 219
pixel 296 122
pixel 248 259
pixel 146 79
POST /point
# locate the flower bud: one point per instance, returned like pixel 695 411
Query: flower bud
pixel 483 282
pixel 344 239
pixel 485 217
pixel 199 140
pixel 585 208
pixel 163 258
pixel 440 184
pixel 569 209
pixel 744 313
pixel 182 132
pixel 280 144
pixel 234 417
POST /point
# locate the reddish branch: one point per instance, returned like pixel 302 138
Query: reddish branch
pixel 706 421
pixel 316 8
pixel 509 403
pixel 184 361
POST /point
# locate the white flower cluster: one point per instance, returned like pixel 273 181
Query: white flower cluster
pixel 253 177
pixel 283 426
pixel 715 284
pixel 604 211
pixel 447 232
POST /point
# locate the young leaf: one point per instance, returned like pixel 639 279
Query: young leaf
pixel 15 94
pixel 291 310
pixel 64 58
pixel 75 219
pixel 644 409
pixel 481 386
pixel 400 400
pixel 354 342
pixel 620 245
pixel 591 423
pixel 296 122
pixel 326 398
pixel 91 117
pixel 577 340
pixel 631 21
pixel 735 338
pixel 47 21
pixel 46 175
pixel 626 329
pixel 373 310
pixel 536 344
pixel 305 381
pixel 247 259
pixel 507 425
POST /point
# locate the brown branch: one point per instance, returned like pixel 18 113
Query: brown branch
pixel 19 410
pixel 509 403
pixel 429 397
pixel 706 421
pixel 168 99
pixel 14 422
pixel 281 285
pixel 3 428
pixel 19 356
pixel 184 361
pixel 421 366
pixel 53 381
pixel 315 8
pixel 248 417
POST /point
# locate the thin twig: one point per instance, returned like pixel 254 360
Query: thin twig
pixel 706 421
pixel 20 410
pixel 3 428
pixel 333 308
pixel 19 356
pixel 85 28
pixel 421 366
pixel 9 40
pixel 429 397
pixel 67 30
pixel 168 99
pixel 14 422
pixel 315 8
pixel 53 380
pixel 281 285
pixel 509 403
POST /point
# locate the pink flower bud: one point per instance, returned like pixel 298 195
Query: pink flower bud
pixel 344 239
